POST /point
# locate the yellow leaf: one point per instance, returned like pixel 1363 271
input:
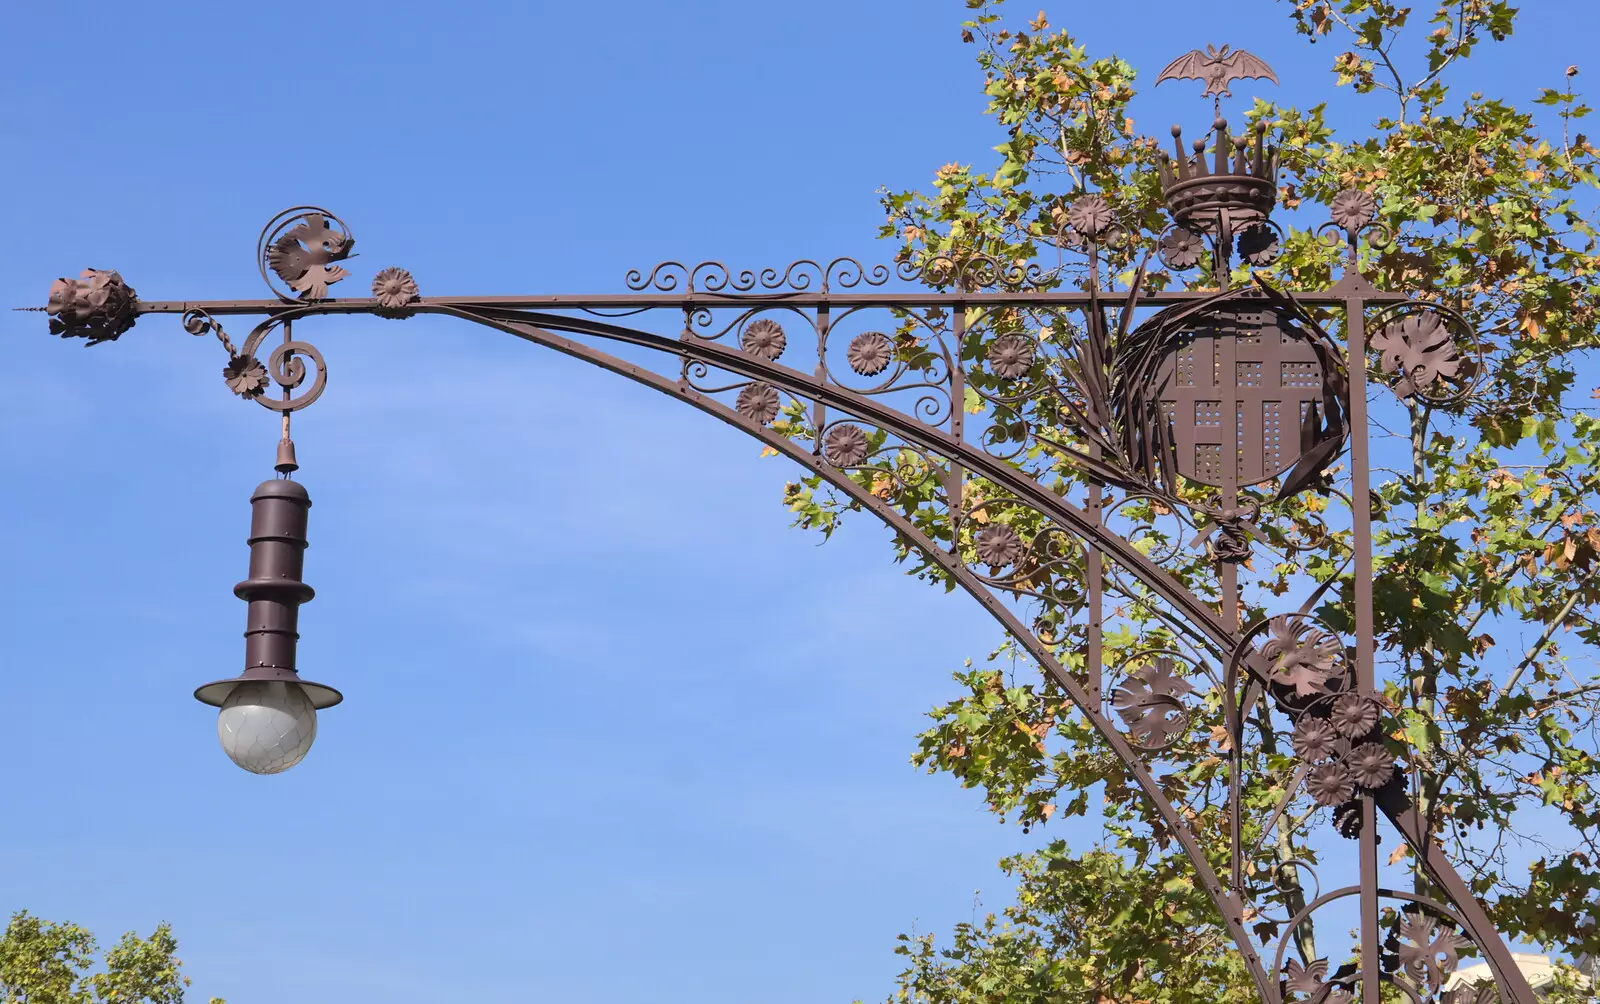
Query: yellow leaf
pixel 767 451
pixel 1047 810
pixel 1399 853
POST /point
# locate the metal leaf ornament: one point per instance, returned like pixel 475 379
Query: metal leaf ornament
pixel 1302 979
pixel 1419 351
pixel 1150 703
pixel 97 305
pixel 1429 952
pixel 1303 656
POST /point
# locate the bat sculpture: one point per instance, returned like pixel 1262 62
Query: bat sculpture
pixel 1218 68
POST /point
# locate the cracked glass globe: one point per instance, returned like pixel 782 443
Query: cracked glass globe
pixel 267 726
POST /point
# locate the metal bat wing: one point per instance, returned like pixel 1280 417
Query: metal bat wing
pixel 1241 65
pixel 1191 65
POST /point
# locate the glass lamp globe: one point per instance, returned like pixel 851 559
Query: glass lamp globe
pixel 267 726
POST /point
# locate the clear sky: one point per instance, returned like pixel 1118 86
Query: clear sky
pixel 613 732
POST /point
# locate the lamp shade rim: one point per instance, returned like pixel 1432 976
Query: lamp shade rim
pixel 216 693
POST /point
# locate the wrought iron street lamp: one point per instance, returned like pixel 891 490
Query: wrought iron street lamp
pixel 1205 407
pixel 268 716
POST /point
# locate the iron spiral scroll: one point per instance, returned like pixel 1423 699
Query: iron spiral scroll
pixel 1055 445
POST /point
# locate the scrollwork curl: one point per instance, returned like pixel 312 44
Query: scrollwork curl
pixel 287 368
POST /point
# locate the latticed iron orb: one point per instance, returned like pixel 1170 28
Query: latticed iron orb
pixel 758 402
pixel 1251 415
pixel 764 337
pixel 845 445
pixel 870 353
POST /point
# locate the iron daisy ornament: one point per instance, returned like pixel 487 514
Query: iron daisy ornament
pixel 845 445
pixel 758 402
pixel 764 337
pixel 1330 783
pixel 394 289
pixel 1181 247
pixel 1089 215
pixel 1011 357
pixel 1371 766
pixel 1259 244
pixel 998 545
pixel 1315 740
pixel 870 353
pixel 1353 209
pixel 1354 715
pixel 245 376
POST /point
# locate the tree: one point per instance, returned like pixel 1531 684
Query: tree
pixel 1485 527
pixel 47 963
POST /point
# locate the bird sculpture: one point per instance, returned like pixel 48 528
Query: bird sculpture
pixel 304 255
pixel 1218 68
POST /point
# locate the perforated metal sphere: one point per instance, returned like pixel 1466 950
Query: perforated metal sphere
pixel 266 727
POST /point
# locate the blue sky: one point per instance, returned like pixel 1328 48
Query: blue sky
pixel 614 731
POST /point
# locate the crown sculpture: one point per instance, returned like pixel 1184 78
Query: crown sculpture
pixel 1238 185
